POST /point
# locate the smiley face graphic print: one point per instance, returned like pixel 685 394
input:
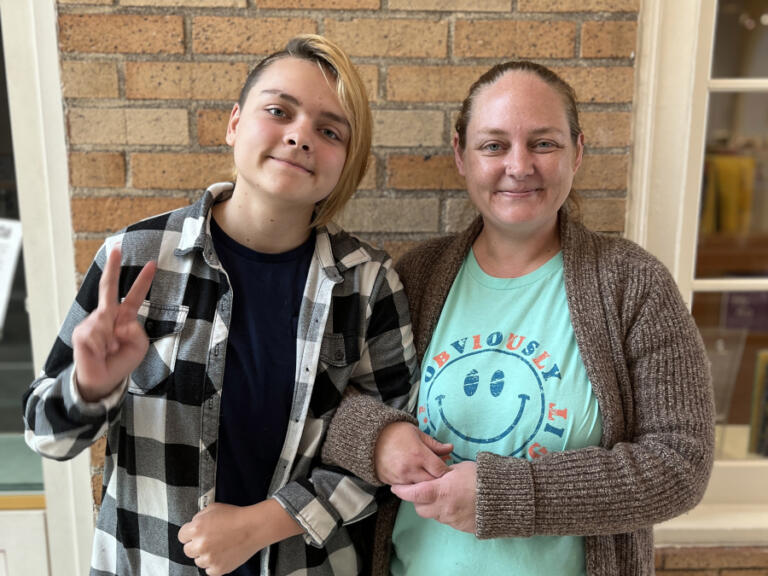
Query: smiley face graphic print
pixel 502 374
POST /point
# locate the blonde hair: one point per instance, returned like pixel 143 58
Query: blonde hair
pixel 354 101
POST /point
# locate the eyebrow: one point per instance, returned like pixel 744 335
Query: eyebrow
pixel 296 102
pixel 535 132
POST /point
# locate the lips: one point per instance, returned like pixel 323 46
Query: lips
pixel 519 192
pixel 292 164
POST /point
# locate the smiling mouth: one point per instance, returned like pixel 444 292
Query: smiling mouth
pixel 523 399
pixel 292 164
pixel 526 192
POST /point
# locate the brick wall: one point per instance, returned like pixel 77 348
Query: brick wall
pixel 148 86
pixel 714 561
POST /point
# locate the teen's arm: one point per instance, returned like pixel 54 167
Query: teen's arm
pixel 84 377
pixel 386 373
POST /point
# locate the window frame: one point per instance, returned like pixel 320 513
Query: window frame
pixel 669 129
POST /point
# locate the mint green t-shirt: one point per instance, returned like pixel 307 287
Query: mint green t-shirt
pixel 502 374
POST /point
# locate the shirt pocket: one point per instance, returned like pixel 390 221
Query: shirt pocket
pixel 339 349
pixel 163 325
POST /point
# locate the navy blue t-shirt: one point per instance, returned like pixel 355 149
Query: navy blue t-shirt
pixel 260 367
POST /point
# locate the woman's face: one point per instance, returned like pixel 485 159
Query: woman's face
pixel 519 160
pixel 290 137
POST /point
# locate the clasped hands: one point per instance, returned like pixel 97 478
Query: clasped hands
pixel 412 463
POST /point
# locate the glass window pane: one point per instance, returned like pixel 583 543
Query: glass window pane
pixel 734 326
pixel 733 230
pixel 741 39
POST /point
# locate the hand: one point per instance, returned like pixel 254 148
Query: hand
pixel 406 455
pixel 223 537
pixel 449 499
pixel 110 343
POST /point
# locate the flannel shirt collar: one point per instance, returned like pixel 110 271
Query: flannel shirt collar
pixel 337 250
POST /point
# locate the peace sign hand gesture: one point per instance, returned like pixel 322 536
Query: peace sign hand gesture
pixel 110 343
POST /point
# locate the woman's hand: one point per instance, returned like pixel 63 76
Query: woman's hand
pixel 406 455
pixel 222 537
pixel 110 343
pixel 449 499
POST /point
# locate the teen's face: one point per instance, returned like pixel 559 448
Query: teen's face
pixel 290 137
pixel 519 159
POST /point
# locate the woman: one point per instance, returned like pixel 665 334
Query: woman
pixel 255 313
pixel 562 366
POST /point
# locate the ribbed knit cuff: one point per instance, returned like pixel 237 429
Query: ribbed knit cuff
pixel 353 432
pixel 505 497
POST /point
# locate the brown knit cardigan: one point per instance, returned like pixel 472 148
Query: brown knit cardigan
pixel 648 369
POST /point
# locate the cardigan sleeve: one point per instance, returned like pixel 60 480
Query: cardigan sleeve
pixel 660 464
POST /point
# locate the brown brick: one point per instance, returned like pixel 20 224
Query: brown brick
pixel 603 214
pixel 431 83
pixel 391 215
pixel 514 39
pixel 602 172
pixel 459 212
pixel 181 80
pixel 600 84
pixel 190 3
pixel 322 4
pixel 369 74
pixel 755 572
pixel 390 38
pixel 84 1
pixel 88 79
pixel 369 180
pixel 578 5
pixel 408 128
pixel 157 126
pixel 687 573
pixel 451 5
pixel 396 248
pixel 124 33
pixel 97 169
pixel 96 488
pixel 608 39
pixel 212 127
pixel 107 214
pixel 97 450
pixel 96 126
pixel 606 129
pixel 224 35
pixel 180 171
pixel 128 126
pixel 423 173
pixel 85 251
pixel 720 557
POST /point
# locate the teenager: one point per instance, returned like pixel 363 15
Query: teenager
pixel 213 343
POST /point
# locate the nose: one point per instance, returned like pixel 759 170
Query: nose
pixel 298 135
pixel 518 162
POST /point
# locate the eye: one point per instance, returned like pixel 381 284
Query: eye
pixel 276 112
pixel 471 381
pixel 545 146
pixel 328 133
pixel 497 383
pixel 492 147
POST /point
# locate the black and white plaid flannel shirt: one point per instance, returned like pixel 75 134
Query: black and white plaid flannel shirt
pixel 162 423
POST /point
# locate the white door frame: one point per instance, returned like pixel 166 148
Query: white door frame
pixel 40 156
pixel 670 116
